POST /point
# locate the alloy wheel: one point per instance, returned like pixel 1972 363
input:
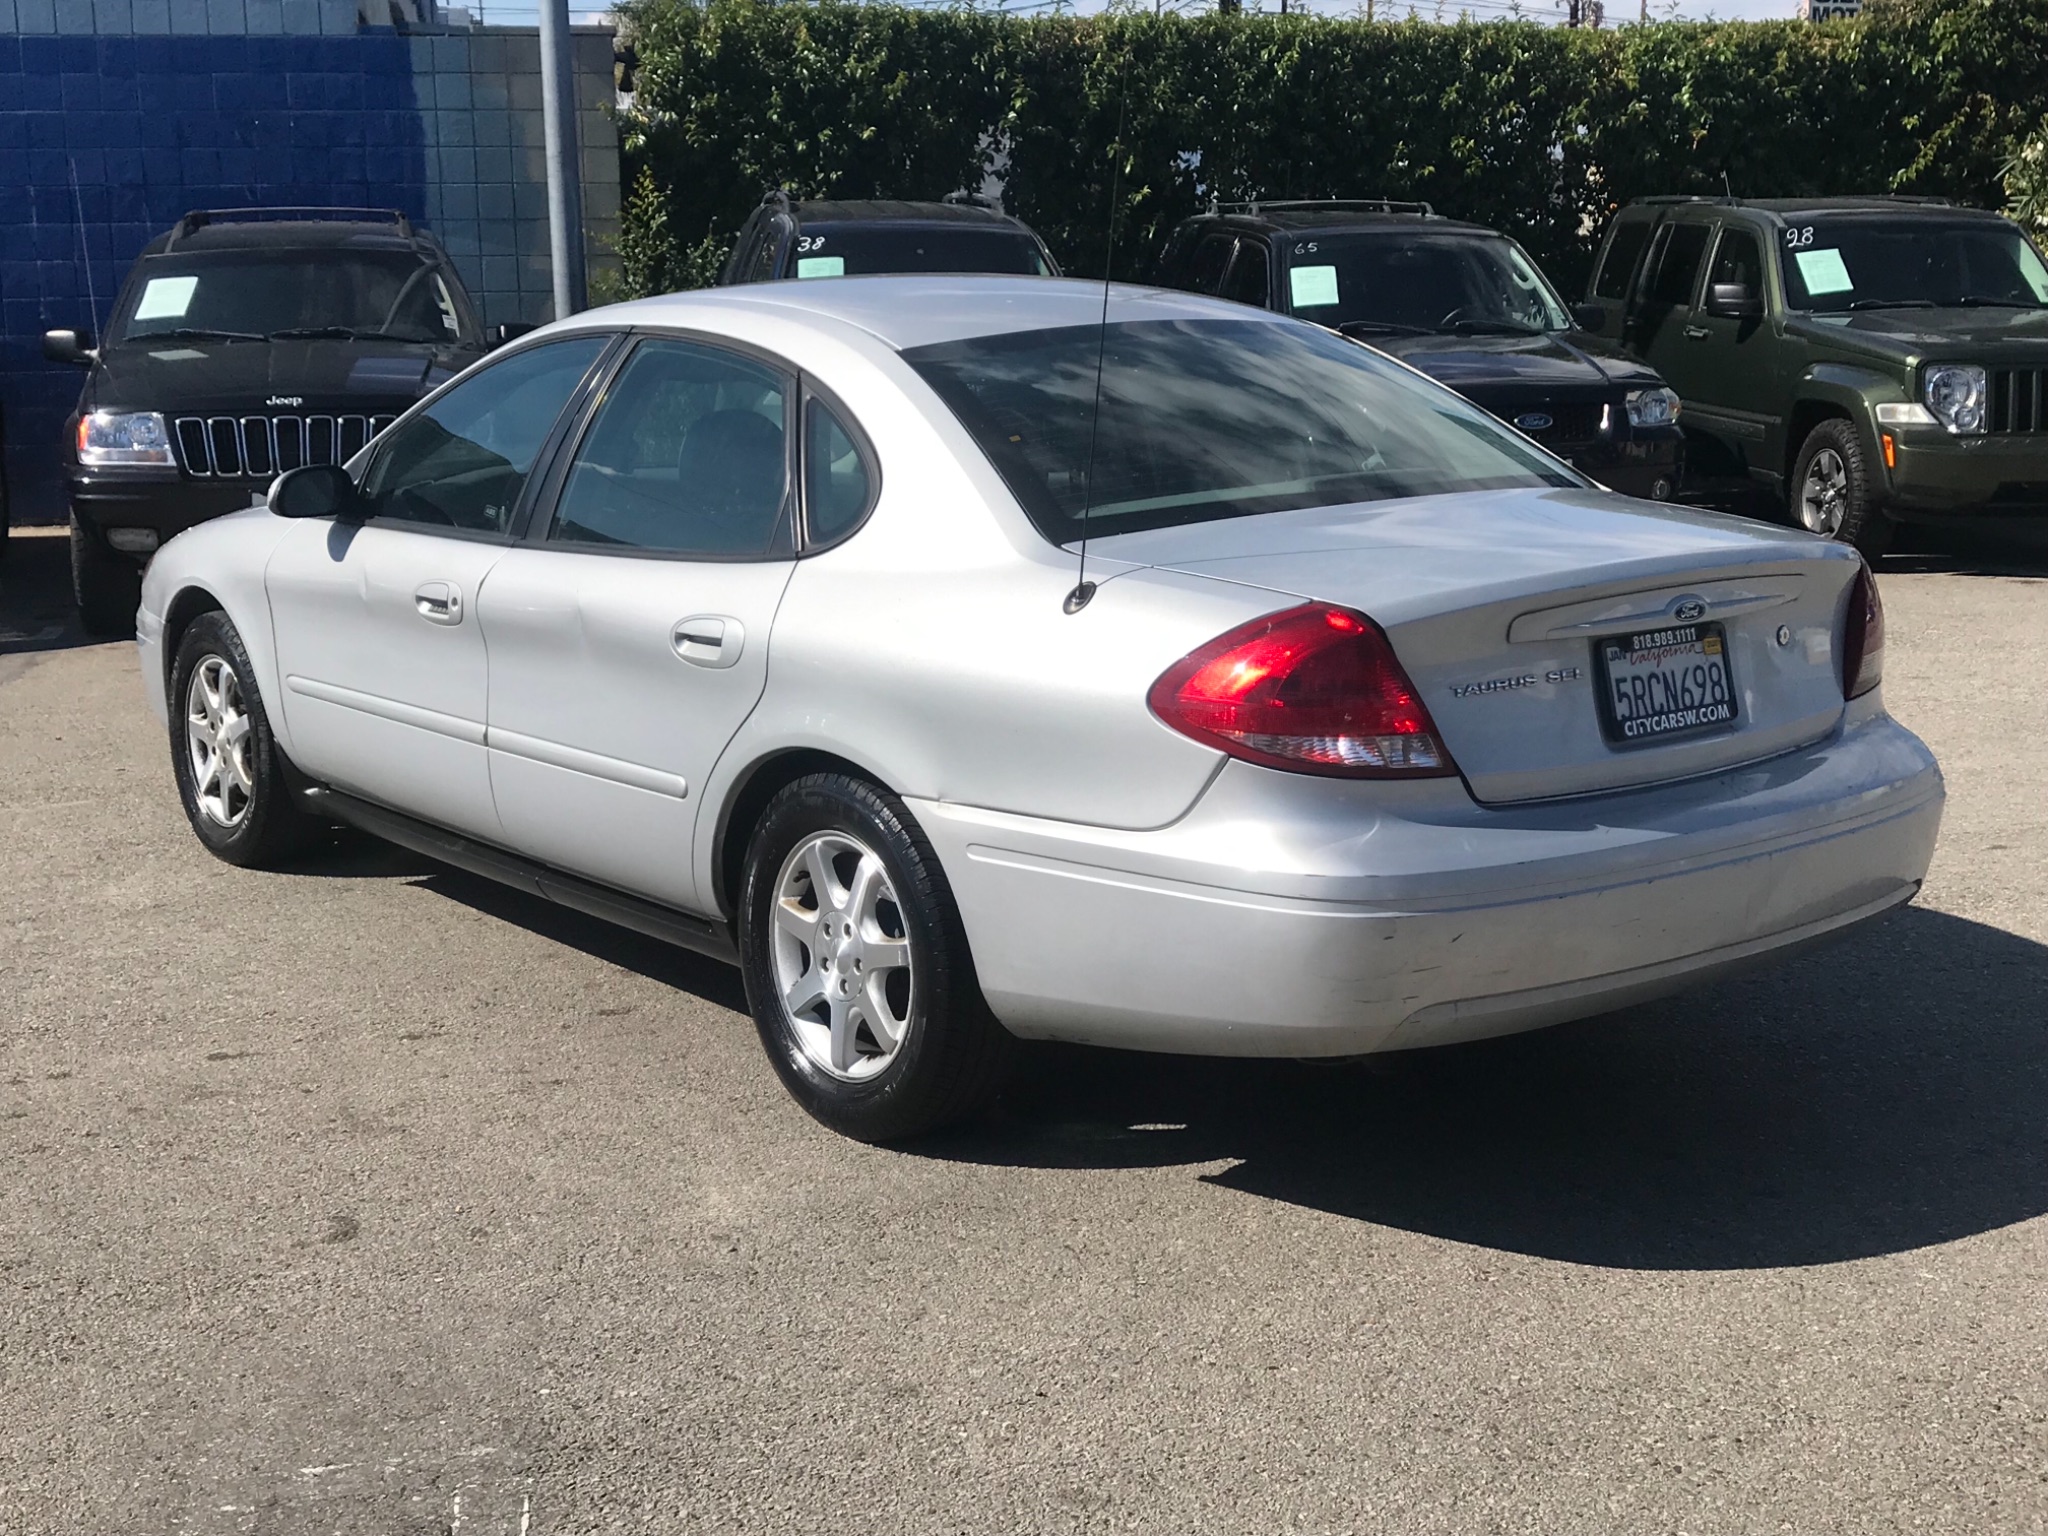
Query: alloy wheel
pixel 841 956
pixel 217 731
pixel 1824 494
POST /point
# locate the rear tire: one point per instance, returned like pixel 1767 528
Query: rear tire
pixel 1832 490
pixel 229 772
pixel 857 967
pixel 106 588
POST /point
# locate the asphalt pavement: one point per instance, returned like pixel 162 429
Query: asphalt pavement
pixel 372 1199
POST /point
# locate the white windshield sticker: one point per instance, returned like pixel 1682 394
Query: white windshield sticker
pixel 1823 271
pixel 166 298
pixel 821 266
pixel 1312 287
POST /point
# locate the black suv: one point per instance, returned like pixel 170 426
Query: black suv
pixel 1462 303
pixel 785 238
pixel 245 342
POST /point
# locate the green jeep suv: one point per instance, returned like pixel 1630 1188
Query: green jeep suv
pixel 1867 360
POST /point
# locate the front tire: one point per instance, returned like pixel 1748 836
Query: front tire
pixel 106 588
pixel 857 967
pixel 1832 490
pixel 226 762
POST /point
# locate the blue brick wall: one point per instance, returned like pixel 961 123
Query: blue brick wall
pixel 152 126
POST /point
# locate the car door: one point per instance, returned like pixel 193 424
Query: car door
pixel 1658 323
pixel 629 633
pixel 1614 278
pixel 1729 362
pixel 384 665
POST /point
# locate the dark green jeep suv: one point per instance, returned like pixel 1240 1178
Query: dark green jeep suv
pixel 1868 360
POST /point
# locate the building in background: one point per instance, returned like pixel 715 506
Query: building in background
pixel 118 116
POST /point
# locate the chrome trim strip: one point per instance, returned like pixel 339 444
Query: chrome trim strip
pixel 575 760
pixel 470 731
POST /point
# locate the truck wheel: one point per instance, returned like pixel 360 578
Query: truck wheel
pixel 222 753
pixel 1831 491
pixel 106 588
pixel 857 968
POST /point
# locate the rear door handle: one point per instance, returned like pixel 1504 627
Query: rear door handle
pixel 1698 332
pixel 439 602
pixel 708 639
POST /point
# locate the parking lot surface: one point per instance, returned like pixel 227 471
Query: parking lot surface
pixel 373 1199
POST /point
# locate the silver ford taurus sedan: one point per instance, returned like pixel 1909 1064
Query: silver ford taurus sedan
pixel 758 620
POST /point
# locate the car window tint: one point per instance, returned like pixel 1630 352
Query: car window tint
pixel 1205 272
pixel 1247 281
pixel 1738 259
pixel 685 456
pixel 462 462
pixel 1619 264
pixel 1678 263
pixel 760 266
pixel 837 480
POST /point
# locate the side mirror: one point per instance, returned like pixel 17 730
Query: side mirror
pixel 69 347
pixel 1589 317
pixel 317 490
pixel 510 331
pixel 1734 301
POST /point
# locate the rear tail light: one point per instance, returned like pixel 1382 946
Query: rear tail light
pixel 1863 638
pixel 1313 689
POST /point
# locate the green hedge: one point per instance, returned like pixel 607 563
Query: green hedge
pixel 1539 131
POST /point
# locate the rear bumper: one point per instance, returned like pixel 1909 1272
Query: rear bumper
pixel 1938 475
pixel 1289 916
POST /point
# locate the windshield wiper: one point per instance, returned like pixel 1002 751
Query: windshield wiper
pixel 1979 301
pixel 1856 304
pixel 339 333
pixel 197 333
pixel 1379 328
pixel 1493 328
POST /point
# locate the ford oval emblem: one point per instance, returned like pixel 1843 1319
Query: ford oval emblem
pixel 1534 421
pixel 1689 611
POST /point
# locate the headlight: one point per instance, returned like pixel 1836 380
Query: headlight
pixel 1652 407
pixel 123 437
pixel 1955 393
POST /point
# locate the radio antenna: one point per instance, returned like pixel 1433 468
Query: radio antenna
pixel 84 249
pixel 1084 589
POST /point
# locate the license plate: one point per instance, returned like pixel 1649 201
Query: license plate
pixel 1666 682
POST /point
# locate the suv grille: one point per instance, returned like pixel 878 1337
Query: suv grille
pixel 2016 400
pixel 269 445
pixel 1577 422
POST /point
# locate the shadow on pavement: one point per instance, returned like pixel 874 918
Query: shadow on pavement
pixel 35 595
pixel 1882 1095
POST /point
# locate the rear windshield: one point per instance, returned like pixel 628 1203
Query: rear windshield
pixel 831 251
pixel 261 294
pixel 1209 419
pixel 1885 262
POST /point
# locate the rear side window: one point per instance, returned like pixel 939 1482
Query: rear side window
pixel 838 481
pixel 1205 272
pixel 1247 283
pixel 686 456
pixel 1677 263
pixel 463 461
pixel 1618 266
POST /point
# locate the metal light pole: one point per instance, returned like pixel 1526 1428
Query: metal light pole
pixel 565 160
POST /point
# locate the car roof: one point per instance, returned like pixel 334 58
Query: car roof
pixel 925 309
pixel 892 211
pixel 292 235
pixel 1341 221
pixel 1797 207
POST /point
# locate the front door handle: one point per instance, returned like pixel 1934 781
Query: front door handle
pixel 708 639
pixel 439 602
pixel 1698 332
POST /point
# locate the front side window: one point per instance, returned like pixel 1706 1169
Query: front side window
pixel 1247 282
pixel 1205 272
pixel 1676 263
pixel 1737 259
pixel 835 250
pixel 1882 261
pixel 257 295
pixel 1209 419
pixel 686 456
pixel 1421 283
pixel 464 460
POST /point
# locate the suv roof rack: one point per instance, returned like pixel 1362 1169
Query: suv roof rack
pixel 1667 199
pixel 199 218
pixel 971 200
pixel 1335 204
